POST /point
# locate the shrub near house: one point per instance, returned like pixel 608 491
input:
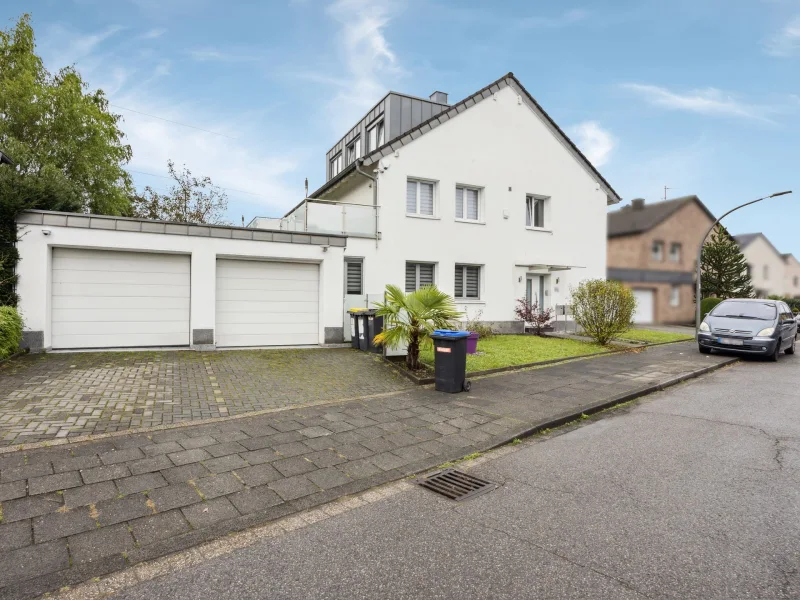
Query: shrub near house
pixel 603 309
pixel 10 331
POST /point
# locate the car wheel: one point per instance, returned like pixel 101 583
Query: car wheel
pixel 774 356
pixel 704 350
pixel 790 349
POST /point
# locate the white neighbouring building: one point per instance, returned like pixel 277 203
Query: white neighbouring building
pixel 766 265
pixel 486 198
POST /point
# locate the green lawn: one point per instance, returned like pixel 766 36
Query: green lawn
pixel 654 337
pixel 511 350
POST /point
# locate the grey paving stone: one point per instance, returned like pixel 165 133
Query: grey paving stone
pixel 159 449
pixel 292 449
pixel 140 483
pixel 257 457
pixel 287 437
pixel 197 442
pixel 207 513
pixel 297 465
pixel 320 443
pixel 388 461
pixel 12 461
pixel 26 472
pixel 225 463
pixel 325 458
pixel 378 444
pixel 444 428
pixel 188 456
pixel 328 478
pixel 51 483
pixel 159 527
pixel 174 496
pixel 90 494
pixel 353 451
pixel 149 465
pixel 15 535
pixel 360 469
pixel 258 474
pixel 423 433
pixel 30 506
pixel 346 437
pixel 104 473
pixel 185 473
pixel 434 447
pixel 75 463
pixel 106 541
pixel 230 436
pixel 315 432
pixel 219 485
pixel 456 441
pixel 93 448
pixel 15 489
pixel 288 425
pixel 33 561
pixel 257 443
pixel 225 449
pixel 475 435
pixel 119 456
pixel 118 510
pixel 62 524
pixel 131 441
pixel 254 499
pixel 294 487
pixel 412 453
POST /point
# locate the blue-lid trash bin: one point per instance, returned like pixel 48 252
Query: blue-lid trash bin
pixel 450 360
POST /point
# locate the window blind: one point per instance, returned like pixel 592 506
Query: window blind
pixel 411 197
pixel 354 277
pixel 425 198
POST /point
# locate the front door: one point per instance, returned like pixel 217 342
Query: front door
pixel 534 290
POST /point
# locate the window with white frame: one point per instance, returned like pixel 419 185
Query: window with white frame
pixel 675 296
pixel 766 272
pixel 468 282
pixel 419 198
pixel 657 251
pixel 354 275
pixel 375 136
pixel 336 165
pixel 354 150
pixel 419 275
pixel 675 252
pixel 468 203
pixel 534 211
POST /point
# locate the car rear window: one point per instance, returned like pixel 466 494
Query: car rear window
pixel 764 311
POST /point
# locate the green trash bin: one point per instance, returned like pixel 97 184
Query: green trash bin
pixel 450 360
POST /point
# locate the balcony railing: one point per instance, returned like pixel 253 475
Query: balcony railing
pixel 319 216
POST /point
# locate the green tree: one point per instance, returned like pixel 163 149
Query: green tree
pixel 724 269
pixel 408 319
pixel 603 309
pixel 190 200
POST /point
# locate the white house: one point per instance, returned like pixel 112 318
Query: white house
pixel 766 265
pixel 487 198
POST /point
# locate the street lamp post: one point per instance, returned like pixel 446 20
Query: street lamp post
pixel 698 316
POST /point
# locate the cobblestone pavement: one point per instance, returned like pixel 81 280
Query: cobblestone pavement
pixel 49 396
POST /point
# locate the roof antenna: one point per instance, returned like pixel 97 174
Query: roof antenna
pixel 242 220
pixel 306 196
pixel 665 192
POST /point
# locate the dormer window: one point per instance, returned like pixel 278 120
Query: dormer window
pixel 336 165
pixel 354 150
pixel 375 136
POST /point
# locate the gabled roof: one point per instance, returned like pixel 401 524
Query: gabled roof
pixel 745 239
pixel 630 220
pixel 508 80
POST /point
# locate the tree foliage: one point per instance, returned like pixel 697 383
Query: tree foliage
pixel 190 200
pixel 529 312
pixel 724 268
pixel 603 309
pixel 410 318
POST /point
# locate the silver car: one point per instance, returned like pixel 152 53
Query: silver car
pixel 749 326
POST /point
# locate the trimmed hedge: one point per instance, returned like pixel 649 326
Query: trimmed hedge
pixel 706 304
pixel 10 331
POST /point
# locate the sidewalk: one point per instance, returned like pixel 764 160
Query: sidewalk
pixel 79 511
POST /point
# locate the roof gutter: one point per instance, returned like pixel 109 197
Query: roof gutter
pixel 358 163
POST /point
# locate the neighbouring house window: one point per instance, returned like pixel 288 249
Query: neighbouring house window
pixel 749 269
pixel 675 296
pixel 468 281
pixel 467 203
pixel 354 274
pixel 419 198
pixel 534 211
pixel 418 275
pixel 657 251
pixel 354 150
pixel 675 252
pixel 336 165
pixel 375 136
pixel 796 281
pixel 766 272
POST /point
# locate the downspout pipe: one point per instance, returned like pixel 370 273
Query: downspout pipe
pixel 359 163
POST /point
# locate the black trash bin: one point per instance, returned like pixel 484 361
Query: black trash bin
pixel 355 322
pixel 450 358
pixel 363 341
pixel 374 327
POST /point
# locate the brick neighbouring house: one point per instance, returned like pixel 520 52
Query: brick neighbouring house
pixel 652 249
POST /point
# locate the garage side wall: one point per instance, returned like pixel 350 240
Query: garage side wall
pixel 41 232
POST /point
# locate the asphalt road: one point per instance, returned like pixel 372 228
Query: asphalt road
pixel 692 493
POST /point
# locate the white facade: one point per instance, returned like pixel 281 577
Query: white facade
pixel 504 150
pixel 88 282
pixel 767 267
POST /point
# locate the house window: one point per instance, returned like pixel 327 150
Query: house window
pixel 354 276
pixel 419 198
pixel 354 150
pixel 418 275
pixel 675 253
pixel 657 251
pixel 675 296
pixel 766 272
pixel 375 136
pixel 468 281
pixel 467 203
pixel 796 281
pixel 336 165
pixel 749 269
pixel 534 211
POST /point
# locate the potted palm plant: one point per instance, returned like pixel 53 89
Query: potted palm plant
pixel 409 318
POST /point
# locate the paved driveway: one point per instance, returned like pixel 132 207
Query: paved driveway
pixel 49 396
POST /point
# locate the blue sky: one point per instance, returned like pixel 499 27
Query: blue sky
pixel 702 96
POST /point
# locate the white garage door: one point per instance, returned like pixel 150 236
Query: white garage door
pixel 263 303
pixel 644 306
pixel 107 299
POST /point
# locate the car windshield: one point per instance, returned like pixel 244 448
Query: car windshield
pixel 763 311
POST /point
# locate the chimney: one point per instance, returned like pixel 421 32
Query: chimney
pixel 637 203
pixel 439 97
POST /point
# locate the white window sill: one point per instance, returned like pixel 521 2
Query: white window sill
pixel 429 217
pixel 542 229
pixel 469 301
pixel 470 221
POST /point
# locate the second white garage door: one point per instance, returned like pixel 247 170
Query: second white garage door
pixel 263 303
pixel 644 306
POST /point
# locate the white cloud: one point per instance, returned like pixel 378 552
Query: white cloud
pixel 153 34
pixel 708 101
pixel 68 48
pixel 211 54
pixel 569 17
pixel 594 141
pixel 786 42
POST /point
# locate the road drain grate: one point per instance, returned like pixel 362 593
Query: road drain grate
pixel 456 485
